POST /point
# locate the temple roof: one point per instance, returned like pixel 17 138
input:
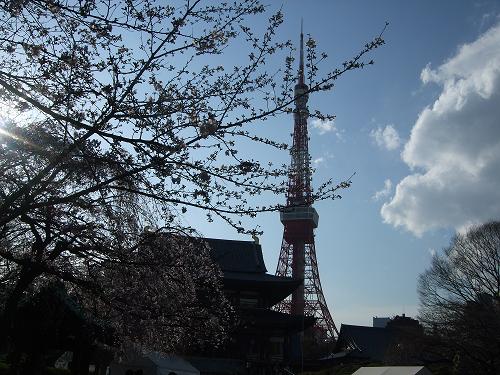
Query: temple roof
pixel 368 342
pixel 243 267
pixel 237 256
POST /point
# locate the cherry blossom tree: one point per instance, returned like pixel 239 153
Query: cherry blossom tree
pixel 129 118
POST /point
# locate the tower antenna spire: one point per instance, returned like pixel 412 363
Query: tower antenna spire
pixel 301 63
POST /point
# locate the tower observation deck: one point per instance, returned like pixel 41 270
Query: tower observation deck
pixel 298 254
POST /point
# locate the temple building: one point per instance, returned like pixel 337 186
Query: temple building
pixel 261 341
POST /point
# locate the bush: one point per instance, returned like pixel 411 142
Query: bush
pixel 4 368
pixel 56 371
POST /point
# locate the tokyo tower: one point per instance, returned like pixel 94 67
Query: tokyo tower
pixel 298 254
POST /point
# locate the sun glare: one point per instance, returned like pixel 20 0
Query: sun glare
pixel 4 133
pixel 8 113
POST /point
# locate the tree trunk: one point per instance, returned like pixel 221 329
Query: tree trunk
pixel 27 276
pixel 8 342
pixel 81 359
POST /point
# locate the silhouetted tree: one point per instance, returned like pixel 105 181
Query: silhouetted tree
pixel 460 300
pixel 407 341
pixel 65 327
pixel 129 113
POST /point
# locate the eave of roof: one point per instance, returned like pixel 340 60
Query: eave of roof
pixel 270 319
pixel 273 288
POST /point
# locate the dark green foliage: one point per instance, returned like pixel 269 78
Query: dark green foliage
pixel 4 370
pixel 65 323
pixel 55 371
pixel 46 324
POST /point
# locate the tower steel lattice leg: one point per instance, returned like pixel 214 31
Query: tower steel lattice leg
pixel 314 299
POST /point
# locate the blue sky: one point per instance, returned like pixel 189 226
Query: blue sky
pixel 419 128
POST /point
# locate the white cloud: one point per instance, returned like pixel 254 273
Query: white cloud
pixel 322 159
pixel 454 147
pixel 384 192
pixel 387 137
pixel 318 161
pixel 325 126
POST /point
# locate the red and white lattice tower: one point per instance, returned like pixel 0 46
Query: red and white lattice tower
pixel 298 254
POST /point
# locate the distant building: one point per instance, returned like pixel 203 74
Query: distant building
pixel 396 342
pixel 380 322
